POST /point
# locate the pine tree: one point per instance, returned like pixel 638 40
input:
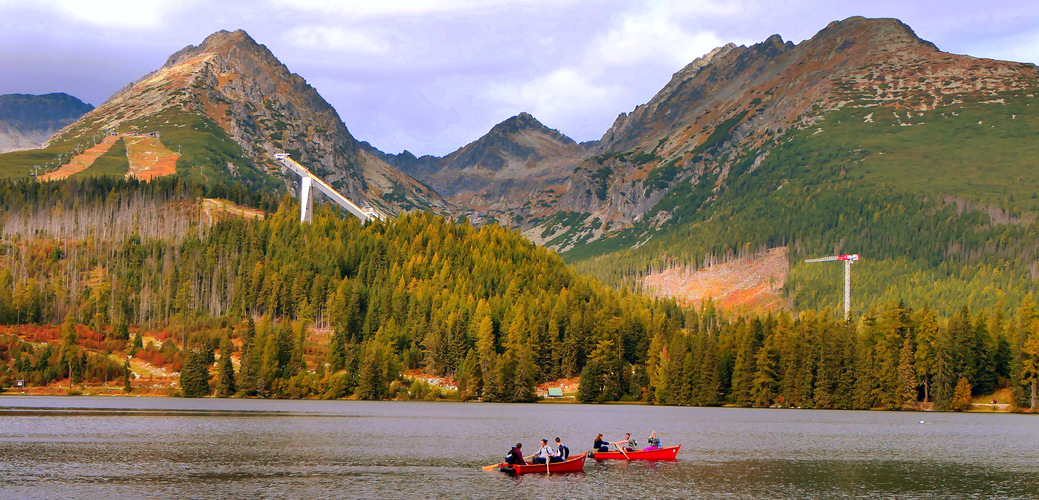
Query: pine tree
pixel 1030 365
pixel 127 373
pixel 943 374
pixel 122 332
pixel 371 384
pixel 337 347
pixel 763 391
pixel 961 397
pixel 194 377
pixel 269 369
pixel 225 385
pixel 908 375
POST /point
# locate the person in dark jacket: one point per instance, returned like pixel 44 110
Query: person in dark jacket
pixel 654 442
pixel 562 451
pixel 515 455
pixel 600 444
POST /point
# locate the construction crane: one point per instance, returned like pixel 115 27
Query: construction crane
pixel 848 259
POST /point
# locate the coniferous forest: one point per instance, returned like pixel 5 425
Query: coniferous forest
pixel 268 307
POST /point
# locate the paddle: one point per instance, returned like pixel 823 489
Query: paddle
pixel 495 466
pixel 626 457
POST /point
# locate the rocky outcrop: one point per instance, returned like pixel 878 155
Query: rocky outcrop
pixel 27 121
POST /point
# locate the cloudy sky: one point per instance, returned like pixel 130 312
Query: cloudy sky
pixel 430 76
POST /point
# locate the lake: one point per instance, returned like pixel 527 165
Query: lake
pixel 133 447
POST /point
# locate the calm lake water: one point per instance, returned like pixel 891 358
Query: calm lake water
pixel 86 447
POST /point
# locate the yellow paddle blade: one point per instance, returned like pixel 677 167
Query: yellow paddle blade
pixel 491 467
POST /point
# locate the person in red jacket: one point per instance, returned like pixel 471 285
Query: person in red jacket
pixel 515 455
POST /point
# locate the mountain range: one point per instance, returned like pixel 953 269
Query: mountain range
pixel 802 147
pixel 27 121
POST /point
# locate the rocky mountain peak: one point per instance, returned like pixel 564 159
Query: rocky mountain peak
pixel 239 86
pixel 525 123
pixel 877 31
pixel 221 42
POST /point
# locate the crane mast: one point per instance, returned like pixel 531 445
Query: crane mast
pixel 848 260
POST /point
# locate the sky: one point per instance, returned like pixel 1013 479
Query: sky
pixel 430 76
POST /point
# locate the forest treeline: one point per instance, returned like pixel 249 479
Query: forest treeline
pixel 335 308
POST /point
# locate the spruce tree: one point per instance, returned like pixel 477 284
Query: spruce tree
pixel 225 385
pixel 127 373
pixel 122 332
pixel 961 397
pixel 194 377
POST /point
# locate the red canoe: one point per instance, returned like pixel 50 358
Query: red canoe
pixel 572 464
pixel 666 453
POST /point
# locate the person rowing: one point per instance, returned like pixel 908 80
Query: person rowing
pixel 544 454
pixel 627 444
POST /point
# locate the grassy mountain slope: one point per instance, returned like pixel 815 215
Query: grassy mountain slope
pixel 939 204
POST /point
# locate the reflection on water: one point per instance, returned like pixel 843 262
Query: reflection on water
pixel 153 447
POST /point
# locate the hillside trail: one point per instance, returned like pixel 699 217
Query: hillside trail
pixel 149 158
pixel 81 161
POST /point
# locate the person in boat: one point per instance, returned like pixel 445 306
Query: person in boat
pixel 600 444
pixel 654 442
pixel 562 451
pixel 515 455
pixel 627 443
pixel 544 454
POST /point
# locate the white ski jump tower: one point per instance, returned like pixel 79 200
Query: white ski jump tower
pixel 309 181
pixel 848 259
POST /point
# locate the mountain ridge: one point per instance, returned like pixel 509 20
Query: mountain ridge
pixel 231 95
pixel 27 120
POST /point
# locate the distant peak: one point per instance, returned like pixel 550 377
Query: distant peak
pixel 224 38
pixel 878 28
pixel 220 42
pixel 522 121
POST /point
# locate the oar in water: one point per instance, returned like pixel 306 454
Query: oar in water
pixel 495 466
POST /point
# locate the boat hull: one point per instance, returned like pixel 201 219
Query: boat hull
pixel 572 464
pixel 666 453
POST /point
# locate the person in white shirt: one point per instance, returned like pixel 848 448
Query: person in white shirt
pixel 544 454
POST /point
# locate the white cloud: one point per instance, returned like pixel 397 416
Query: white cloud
pixel 653 37
pixel 135 14
pixel 377 8
pixel 336 39
pixel 554 96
